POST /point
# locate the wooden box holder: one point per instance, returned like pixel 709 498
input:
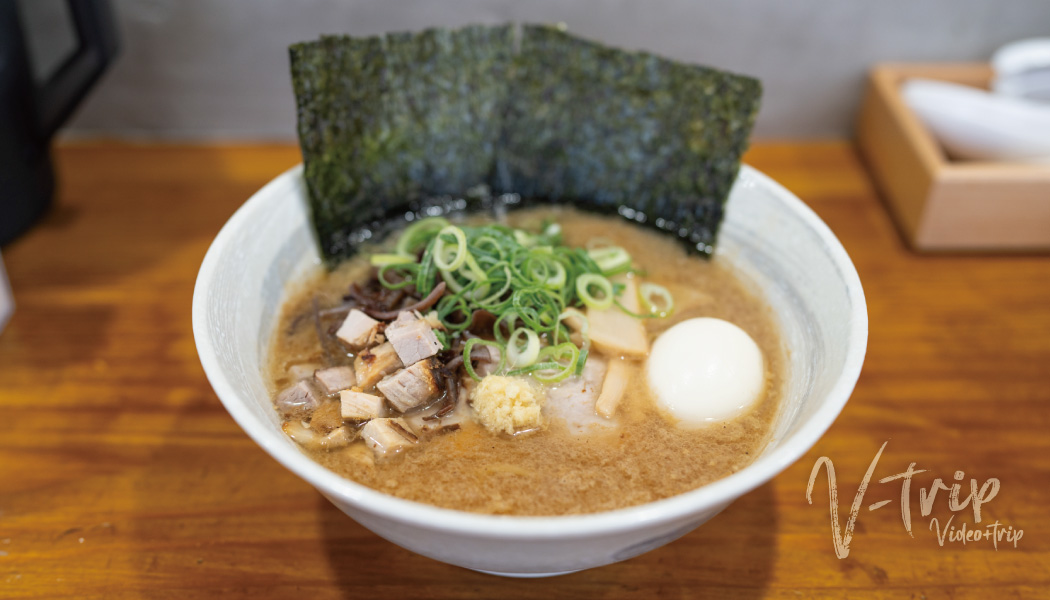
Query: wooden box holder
pixel 937 203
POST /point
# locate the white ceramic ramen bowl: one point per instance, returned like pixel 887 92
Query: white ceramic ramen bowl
pixel 769 235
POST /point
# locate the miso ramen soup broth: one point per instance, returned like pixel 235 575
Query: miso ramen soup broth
pixel 645 457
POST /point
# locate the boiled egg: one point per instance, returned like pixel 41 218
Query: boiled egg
pixel 705 370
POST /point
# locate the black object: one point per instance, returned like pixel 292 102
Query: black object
pixel 31 111
pixel 393 123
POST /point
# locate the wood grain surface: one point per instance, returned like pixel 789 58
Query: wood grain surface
pixel 121 476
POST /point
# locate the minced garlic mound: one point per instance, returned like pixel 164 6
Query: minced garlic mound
pixel 508 404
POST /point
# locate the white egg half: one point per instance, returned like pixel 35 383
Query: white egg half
pixel 704 370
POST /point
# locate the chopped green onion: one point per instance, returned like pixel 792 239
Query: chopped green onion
pixel 427 271
pixel 534 285
pixel 634 314
pixel 522 357
pixel 582 360
pixel 493 298
pixel 556 281
pixel 611 259
pixel 663 303
pixel 578 321
pixel 407 270
pixel 467 347
pixel 509 318
pixel 442 337
pixel 489 241
pixel 538 308
pixel 555 363
pixel 417 235
pixel 449 305
pixel 441 248
pixel 474 271
pixel 585 282
pixel 524 238
pixel 384 260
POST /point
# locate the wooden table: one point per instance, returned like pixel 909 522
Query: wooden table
pixel 122 476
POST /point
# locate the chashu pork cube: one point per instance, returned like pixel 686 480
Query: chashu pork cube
pixel 299 398
pixel 573 400
pixel 308 438
pixel 388 436
pixel 302 371
pixel 411 387
pixel 336 379
pixel 412 337
pixel 375 363
pixel 359 406
pixel 357 329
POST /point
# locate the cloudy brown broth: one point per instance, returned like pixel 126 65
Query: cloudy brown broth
pixel 552 471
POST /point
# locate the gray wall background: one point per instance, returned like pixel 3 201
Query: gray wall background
pixel 218 69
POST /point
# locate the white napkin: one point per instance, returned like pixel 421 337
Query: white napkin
pixel 7 300
pixel 975 124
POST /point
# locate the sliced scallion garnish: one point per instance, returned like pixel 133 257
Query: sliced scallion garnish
pixel 587 283
pixel 384 260
pixel 611 259
pixel 656 299
pixel 555 363
pixel 534 285
pixel 519 355
pixel 467 347
pixel 418 234
pixel 446 257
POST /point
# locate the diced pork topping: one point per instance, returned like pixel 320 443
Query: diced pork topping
pixel 375 363
pixel 411 387
pixel 326 417
pixel 388 436
pixel 336 379
pixel 339 438
pixel 412 337
pixel 302 371
pixel 298 398
pixel 357 329
pixel 308 438
pixel 358 406
pixel 573 401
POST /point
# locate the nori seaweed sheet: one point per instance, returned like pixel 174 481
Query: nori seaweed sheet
pixel 395 123
pixel 385 122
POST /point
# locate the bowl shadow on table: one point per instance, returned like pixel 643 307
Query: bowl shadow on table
pixel 731 556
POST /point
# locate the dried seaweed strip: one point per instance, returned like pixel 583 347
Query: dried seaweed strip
pixel 406 121
pixel 386 123
pixel 332 108
pixel 608 129
pixel 452 84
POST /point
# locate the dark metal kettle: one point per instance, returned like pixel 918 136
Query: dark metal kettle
pixel 33 108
